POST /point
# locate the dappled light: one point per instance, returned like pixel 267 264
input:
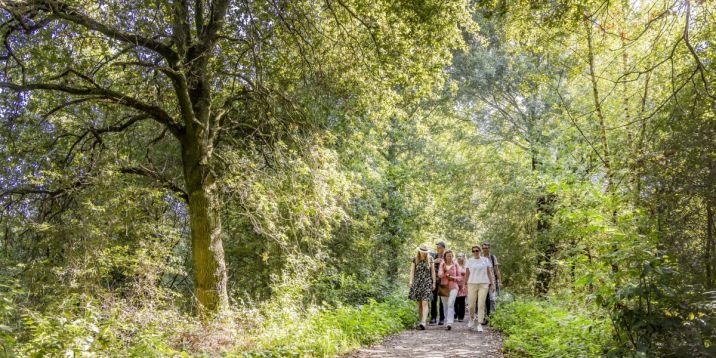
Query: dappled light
pixel 357 178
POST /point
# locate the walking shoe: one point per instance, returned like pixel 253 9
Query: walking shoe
pixel 421 327
pixel 459 320
pixel 470 323
pixel 432 322
pixel 449 327
pixel 479 328
pixel 441 323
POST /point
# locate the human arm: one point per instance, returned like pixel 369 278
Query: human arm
pixel 412 274
pixel 432 273
pixel 496 267
pixel 442 272
pixel 492 282
pixel 460 279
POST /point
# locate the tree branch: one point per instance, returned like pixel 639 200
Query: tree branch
pixel 151 174
pixel 216 21
pixel 154 112
pixel 699 64
pixel 62 11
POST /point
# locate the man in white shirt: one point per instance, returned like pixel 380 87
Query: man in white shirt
pixel 490 300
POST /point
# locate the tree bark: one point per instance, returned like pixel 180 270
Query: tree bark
pixel 546 247
pixel 598 107
pixel 602 127
pixel 709 252
pixel 194 96
pixel 208 266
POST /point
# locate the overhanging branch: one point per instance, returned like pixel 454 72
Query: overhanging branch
pixel 62 11
pixel 152 111
pixel 158 178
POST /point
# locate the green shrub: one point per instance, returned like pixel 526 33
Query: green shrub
pixel 79 326
pixel 328 332
pixel 8 315
pixel 544 328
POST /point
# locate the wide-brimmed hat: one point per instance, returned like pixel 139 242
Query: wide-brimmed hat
pixel 422 248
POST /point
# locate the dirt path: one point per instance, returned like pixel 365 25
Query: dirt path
pixel 436 342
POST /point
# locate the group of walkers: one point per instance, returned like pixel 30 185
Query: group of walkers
pixel 453 279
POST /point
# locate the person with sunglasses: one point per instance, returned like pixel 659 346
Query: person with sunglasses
pixel 479 281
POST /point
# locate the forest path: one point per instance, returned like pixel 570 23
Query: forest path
pixel 437 342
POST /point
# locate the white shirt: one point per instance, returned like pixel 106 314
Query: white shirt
pixel 478 270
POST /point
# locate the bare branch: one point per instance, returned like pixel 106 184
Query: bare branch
pixel 699 64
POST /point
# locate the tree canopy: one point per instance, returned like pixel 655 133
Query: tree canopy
pixel 192 170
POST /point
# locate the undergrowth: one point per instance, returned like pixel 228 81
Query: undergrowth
pixel 81 326
pixel 323 333
pixel 550 328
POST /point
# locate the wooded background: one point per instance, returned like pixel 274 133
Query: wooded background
pixel 175 172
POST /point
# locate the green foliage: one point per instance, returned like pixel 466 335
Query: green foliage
pixel 552 328
pixel 79 326
pixel 348 289
pixel 328 332
pixel 576 137
pixel 9 292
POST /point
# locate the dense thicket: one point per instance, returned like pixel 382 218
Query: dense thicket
pixel 267 159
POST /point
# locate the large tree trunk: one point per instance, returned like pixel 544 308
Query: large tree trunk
pixel 208 266
pixel 546 246
pixel 708 253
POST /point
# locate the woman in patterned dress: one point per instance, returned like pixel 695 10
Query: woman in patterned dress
pixel 422 282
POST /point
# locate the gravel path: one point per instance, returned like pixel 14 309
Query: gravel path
pixel 437 342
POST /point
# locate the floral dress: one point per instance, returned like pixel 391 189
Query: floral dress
pixel 422 289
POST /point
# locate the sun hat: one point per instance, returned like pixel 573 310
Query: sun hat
pixel 422 248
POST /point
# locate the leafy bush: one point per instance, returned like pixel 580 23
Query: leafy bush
pixel 350 289
pixel 79 326
pixel 8 314
pixel 323 333
pixel 543 328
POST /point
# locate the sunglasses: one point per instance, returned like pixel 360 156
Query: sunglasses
pixel 475 250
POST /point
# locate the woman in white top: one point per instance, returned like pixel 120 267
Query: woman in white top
pixel 479 281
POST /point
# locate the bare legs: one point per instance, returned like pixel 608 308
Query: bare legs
pixel 423 309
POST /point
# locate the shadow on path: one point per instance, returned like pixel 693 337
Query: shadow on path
pixel 437 342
